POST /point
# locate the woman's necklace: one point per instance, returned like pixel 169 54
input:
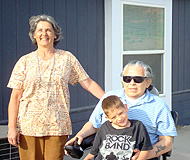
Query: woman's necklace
pixel 41 82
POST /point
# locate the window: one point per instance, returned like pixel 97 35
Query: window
pixel 143 38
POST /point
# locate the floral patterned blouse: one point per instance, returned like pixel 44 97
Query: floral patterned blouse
pixel 45 103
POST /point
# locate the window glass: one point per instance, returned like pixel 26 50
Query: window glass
pixel 143 28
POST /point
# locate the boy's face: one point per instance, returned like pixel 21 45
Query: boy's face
pixel 119 117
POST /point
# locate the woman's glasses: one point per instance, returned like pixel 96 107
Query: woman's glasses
pixel 137 79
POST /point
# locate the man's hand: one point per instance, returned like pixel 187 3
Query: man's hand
pixel 137 153
pixel 86 131
pixel 71 141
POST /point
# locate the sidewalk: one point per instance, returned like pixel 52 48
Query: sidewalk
pixel 181 149
pixel 3 131
pixel 181 146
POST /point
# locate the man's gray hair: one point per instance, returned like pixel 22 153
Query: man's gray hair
pixel 147 69
pixel 33 21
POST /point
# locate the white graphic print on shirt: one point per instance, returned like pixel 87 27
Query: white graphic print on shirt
pixel 121 146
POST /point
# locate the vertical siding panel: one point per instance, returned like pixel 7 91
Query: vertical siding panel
pixel 48 7
pixel 175 47
pixel 71 38
pixel 187 46
pixel 9 46
pixel 60 15
pixel 181 58
pixel 83 54
pixel 1 65
pixel 181 45
pixel 71 35
pixel 23 39
pixel 181 105
pixel 35 9
pixel 92 44
pixel 100 42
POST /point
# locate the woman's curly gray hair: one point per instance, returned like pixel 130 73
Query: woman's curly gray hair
pixel 33 21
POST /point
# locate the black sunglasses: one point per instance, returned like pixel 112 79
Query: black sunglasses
pixel 137 79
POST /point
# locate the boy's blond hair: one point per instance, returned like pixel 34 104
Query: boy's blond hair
pixel 111 103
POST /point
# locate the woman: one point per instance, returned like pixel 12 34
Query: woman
pixel 39 121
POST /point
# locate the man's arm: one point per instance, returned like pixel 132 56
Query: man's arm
pixel 87 130
pixel 143 155
pixel 164 145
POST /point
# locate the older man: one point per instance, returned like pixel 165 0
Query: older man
pixel 144 106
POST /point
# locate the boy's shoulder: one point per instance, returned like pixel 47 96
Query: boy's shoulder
pixel 135 122
pixel 106 123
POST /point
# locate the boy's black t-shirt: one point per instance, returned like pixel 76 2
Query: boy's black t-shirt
pixel 112 144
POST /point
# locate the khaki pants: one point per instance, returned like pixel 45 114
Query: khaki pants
pixel 42 148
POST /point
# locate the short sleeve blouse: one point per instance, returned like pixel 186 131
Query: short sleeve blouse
pixel 45 104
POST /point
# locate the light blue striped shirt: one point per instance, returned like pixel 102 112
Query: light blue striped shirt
pixel 151 110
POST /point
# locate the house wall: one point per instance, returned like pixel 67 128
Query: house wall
pixel 181 60
pixel 82 24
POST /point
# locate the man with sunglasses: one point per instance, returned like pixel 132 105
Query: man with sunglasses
pixel 144 106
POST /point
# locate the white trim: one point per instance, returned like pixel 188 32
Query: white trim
pixel 146 4
pixel 112 45
pixel 108 44
pixel 144 52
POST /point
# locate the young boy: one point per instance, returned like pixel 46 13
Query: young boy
pixel 117 138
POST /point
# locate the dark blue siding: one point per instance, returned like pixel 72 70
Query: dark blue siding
pixel 181 60
pixel 83 50
pixel 1 69
pixel 8 48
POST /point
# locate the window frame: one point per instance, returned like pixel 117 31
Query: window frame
pixel 145 52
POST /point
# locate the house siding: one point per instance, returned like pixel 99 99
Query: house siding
pixel 82 24
pixel 181 60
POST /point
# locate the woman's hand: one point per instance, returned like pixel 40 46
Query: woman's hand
pixel 13 136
